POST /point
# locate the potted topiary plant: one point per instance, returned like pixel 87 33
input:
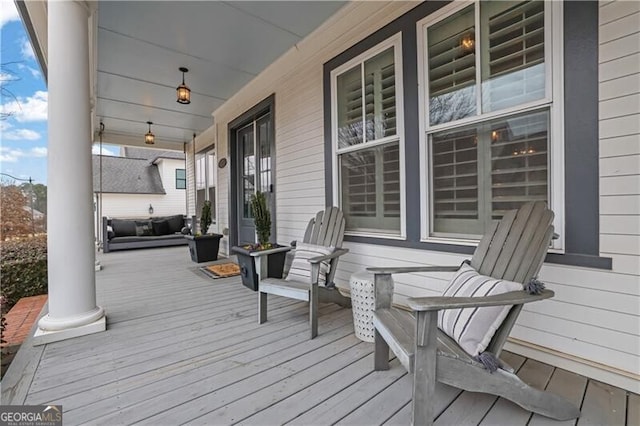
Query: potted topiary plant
pixel 247 254
pixel 203 247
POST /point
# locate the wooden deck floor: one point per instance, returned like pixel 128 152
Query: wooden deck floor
pixel 182 348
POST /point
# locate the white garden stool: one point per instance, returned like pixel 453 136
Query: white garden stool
pixel 363 304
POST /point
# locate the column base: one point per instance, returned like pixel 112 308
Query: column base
pixel 42 337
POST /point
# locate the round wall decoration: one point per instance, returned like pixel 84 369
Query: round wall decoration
pixel 222 163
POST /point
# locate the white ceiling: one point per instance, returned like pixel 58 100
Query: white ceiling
pixel 141 45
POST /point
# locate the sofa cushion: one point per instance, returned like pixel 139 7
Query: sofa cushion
pixel 143 228
pixel 160 227
pixel 176 223
pixel 473 328
pixel 157 238
pixel 123 227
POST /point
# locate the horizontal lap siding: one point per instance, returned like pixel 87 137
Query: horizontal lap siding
pixel 619 90
pixel 614 338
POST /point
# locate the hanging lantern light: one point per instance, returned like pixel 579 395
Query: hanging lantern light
pixel 183 91
pixel 149 138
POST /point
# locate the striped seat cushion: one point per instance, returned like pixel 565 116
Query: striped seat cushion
pixel 300 266
pixel 473 328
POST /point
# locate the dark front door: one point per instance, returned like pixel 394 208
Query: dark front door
pixel 255 173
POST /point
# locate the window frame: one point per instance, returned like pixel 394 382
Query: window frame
pixel 181 179
pixel 394 41
pixel 553 101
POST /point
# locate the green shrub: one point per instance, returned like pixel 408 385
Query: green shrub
pixel 205 217
pixel 261 217
pixel 23 268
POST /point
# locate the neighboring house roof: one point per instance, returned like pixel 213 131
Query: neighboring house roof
pixel 151 154
pixel 126 176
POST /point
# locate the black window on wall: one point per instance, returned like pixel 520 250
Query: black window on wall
pixel 181 179
pixel 580 119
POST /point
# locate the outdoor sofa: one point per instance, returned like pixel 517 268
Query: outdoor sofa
pixel 122 234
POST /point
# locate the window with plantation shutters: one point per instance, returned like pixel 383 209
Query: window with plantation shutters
pixel 367 142
pixel 489 113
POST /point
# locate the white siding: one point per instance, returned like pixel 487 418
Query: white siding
pixel 593 324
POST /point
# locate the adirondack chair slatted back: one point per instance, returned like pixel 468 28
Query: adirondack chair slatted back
pixel 514 249
pixel 319 232
pixel 326 229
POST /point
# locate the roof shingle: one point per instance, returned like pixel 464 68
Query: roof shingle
pixel 126 176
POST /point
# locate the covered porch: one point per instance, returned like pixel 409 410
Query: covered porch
pixel 182 348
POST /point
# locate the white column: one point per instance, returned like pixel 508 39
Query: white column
pixel 71 250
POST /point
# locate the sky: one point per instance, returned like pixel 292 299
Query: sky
pixel 23 135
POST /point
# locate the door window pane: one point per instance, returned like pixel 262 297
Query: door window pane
pixel 452 68
pixel 248 172
pixel 513 68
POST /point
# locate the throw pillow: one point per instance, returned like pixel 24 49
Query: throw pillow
pixel 175 222
pixel 143 228
pixel 473 328
pixel 123 227
pixel 160 227
pixel 300 266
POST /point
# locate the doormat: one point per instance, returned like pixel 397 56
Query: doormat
pixel 222 270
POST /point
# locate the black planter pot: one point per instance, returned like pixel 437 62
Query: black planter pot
pixel 204 248
pixel 248 266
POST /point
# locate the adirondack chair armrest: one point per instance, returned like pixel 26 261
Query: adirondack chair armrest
pixel 336 253
pixel 261 253
pixel 510 298
pixel 410 269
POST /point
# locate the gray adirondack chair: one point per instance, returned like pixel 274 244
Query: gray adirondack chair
pixel 513 249
pixel 325 229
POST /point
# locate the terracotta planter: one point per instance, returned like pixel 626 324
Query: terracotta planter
pixel 204 248
pixel 248 270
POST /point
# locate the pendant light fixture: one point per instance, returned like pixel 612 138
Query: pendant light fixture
pixel 183 91
pixel 149 138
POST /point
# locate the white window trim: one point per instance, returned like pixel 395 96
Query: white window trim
pixel 394 41
pixel 554 70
